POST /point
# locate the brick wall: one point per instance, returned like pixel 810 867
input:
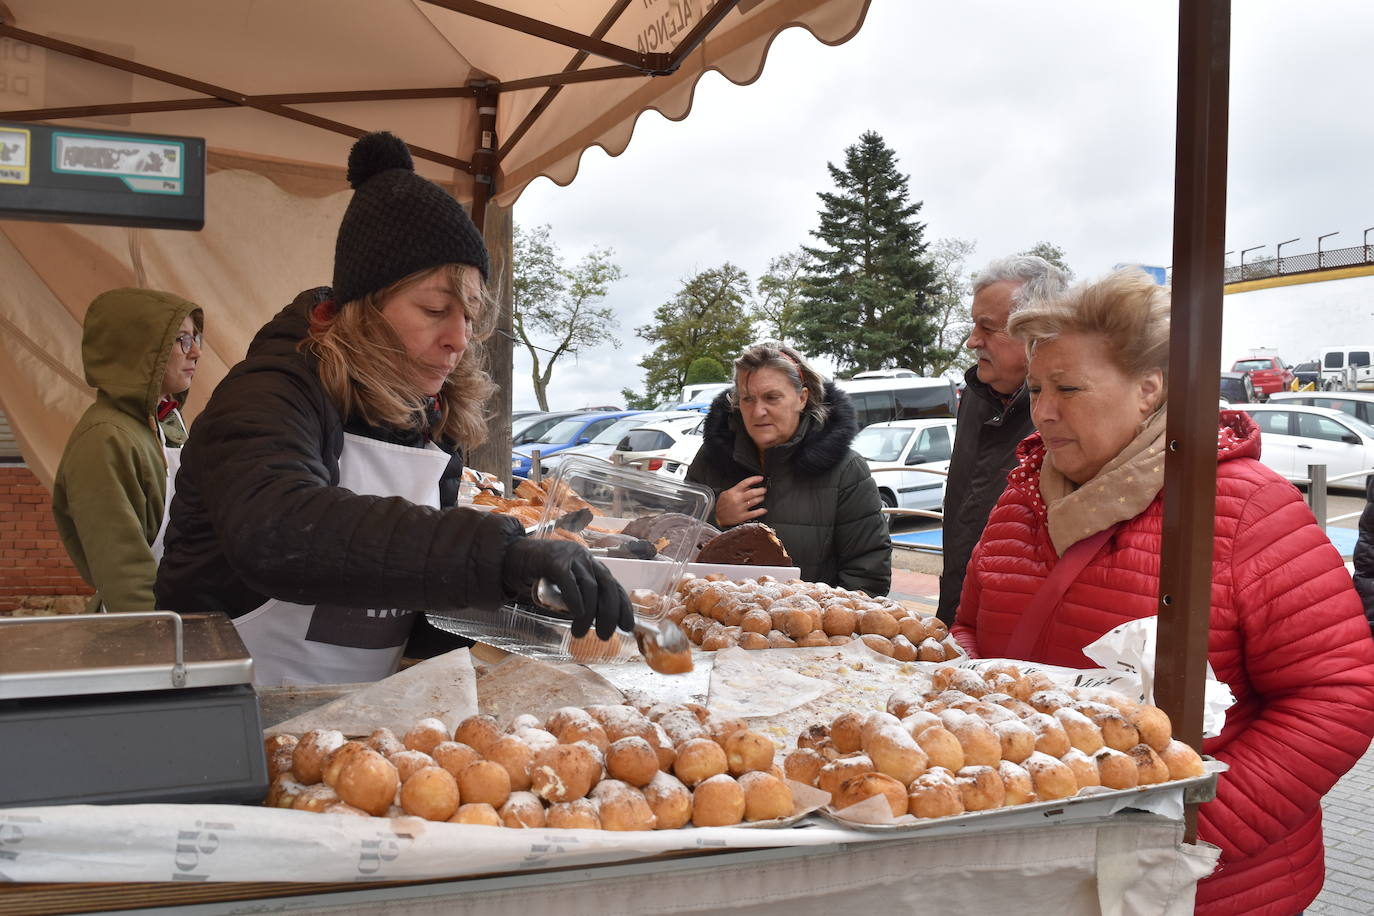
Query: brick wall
pixel 32 559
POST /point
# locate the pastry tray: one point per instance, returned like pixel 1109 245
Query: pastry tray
pixel 1101 803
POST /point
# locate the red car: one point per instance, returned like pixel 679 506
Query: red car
pixel 1268 374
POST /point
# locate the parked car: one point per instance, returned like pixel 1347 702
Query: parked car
pixel 1358 404
pixel 1347 367
pixel 1236 388
pixel 604 444
pixel 1308 373
pixel 663 447
pixel 899 451
pixel 578 429
pixel 1293 436
pixel 531 427
pixel 879 400
pixel 1268 374
pixel 886 373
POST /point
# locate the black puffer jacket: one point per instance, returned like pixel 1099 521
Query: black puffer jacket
pixel 821 499
pixel 1364 555
pixel 258 512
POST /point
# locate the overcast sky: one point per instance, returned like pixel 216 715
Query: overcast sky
pixel 1016 122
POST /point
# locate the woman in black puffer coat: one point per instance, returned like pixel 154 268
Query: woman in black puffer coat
pixel 776 450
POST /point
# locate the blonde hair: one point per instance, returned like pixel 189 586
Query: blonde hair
pixel 791 364
pixel 1126 309
pixel 363 365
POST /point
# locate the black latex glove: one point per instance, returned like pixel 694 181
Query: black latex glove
pixel 592 594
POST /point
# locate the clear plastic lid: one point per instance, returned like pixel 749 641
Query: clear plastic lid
pixel 644 527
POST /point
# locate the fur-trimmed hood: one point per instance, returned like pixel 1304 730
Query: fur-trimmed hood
pixel 812 451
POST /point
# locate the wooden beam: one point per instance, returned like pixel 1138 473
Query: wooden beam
pixel 699 31
pixel 1190 467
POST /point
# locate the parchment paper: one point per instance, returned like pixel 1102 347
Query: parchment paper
pixel 518 684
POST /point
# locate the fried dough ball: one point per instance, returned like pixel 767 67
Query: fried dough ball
pixel 430 793
pixel 681 726
pixel 780 640
pixel 667 754
pixel 880 644
pixel 1017 783
pixel 935 794
pixel 846 731
pixel 589 648
pixel 1018 741
pixel 485 781
pixel 1050 699
pixel 334 762
pixel 981 745
pixel 316 798
pixel 624 721
pixel 670 801
pixel 1051 778
pixel 632 760
pixel 757 622
pixel 423 735
pixel 746 751
pixel 1084 768
pixel 718 802
pixel 454 756
pixel 720 729
pixel 477 732
pixel 523 721
pixel 942 748
pixel 838 620
pixel 1050 737
pixel 536 739
pixel 840 640
pixel 1153 723
pixel 837 771
pixel 902 649
pixel 523 810
pixel 1151 768
pixel 368 781
pixel 578 814
pixel 409 762
pixel 342 808
pixel 981 788
pixel 872 722
pixel 589 731
pixel 385 742
pixel 1183 762
pixel 803 765
pixel 564 716
pixel 698 759
pixel 914 629
pixel 866 785
pixel 1116 770
pixel 476 813
pixel 765 797
pixel 309 755
pixel 878 623
pixel 564 772
pixel 282 791
pixel 895 753
pixel 753 641
pixel 1083 734
pixel 813 640
pixel 936 628
pixel 917 720
pixel 279 750
pixel 815 736
pixel 930 650
pixel 794 621
pixel 515 755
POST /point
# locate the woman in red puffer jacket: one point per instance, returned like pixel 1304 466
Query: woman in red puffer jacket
pixel 1287 631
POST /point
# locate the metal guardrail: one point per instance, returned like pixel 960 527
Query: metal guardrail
pixel 1317 485
pixel 1326 259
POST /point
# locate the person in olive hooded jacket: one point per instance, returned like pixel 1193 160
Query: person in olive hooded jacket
pixel 139 348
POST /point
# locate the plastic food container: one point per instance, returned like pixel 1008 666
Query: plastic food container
pixel 589 500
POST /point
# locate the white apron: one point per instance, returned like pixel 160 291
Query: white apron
pixel 329 644
pixel 173 459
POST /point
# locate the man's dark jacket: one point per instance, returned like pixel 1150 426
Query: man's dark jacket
pixel 258 512
pixel 821 498
pixel 1364 555
pixel 985 443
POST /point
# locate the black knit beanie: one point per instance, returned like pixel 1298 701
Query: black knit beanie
pixel 397 223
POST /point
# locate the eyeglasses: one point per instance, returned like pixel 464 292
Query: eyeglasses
pixel 187 341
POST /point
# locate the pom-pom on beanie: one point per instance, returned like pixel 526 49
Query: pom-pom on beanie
pixel 397 223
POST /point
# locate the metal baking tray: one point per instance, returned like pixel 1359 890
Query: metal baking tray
pixel 83 654
pixel 1095 804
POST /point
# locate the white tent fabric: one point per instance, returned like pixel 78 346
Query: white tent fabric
pixel 276 187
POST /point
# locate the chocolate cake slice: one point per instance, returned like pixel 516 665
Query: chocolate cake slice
pixel 750 544
pixel 682 533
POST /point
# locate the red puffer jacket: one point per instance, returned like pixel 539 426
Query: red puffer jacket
pixel 1287 634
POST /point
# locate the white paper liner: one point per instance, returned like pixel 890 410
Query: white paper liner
pixel 443 687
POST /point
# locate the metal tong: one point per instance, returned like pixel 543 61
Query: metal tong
pixel 653 637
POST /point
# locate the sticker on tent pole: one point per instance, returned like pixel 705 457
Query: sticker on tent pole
pixel 14 155
pixel 145 166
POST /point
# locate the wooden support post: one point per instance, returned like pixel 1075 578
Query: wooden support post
pixel 1185 575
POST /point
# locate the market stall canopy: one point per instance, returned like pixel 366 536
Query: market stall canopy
pixel 489 95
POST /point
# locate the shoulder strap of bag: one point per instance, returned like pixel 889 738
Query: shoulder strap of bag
pixel 1035 618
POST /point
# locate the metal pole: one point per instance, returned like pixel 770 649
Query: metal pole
pixel 1278 255
pixel 1366 243
pixel 536 469
pixel 1319 247
pixel 1243 253
pixel 1316 492
pixel 1190 466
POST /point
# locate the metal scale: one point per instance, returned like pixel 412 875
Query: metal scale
pixel 126 709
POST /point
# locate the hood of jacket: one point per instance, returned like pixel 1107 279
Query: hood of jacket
pixel 126 341
pixel 814 449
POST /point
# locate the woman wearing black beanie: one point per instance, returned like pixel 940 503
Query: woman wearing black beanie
pixel 316 499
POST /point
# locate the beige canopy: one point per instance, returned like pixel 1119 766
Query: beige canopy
pixel 489 95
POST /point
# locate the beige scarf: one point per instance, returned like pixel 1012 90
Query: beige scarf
pixel 1124 487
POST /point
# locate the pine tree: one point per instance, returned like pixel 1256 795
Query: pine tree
pixel 868 302
pixel 706 318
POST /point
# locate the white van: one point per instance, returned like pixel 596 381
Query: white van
pixel 879 400
pixel 1347 368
